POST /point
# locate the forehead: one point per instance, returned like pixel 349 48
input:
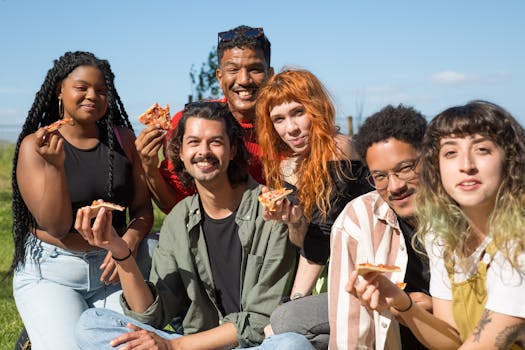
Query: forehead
pixel 284 107
pixel 243 55
pixel 85 73
pixel 204 128
pixel 387 154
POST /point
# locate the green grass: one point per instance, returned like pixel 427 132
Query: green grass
pixel 10 322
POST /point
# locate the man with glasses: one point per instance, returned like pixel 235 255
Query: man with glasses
pixel 377 228
pixel 244 66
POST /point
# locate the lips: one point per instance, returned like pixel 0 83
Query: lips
pixel 469 185
pixel 205 163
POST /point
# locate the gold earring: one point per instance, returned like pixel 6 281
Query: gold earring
pixel 60 109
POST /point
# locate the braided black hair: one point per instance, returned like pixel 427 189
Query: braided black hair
pixel 44 111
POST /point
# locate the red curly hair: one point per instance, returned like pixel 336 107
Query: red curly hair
pixel 314 183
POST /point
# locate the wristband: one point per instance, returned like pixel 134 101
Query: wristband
pixel 122 259
pixel 407 308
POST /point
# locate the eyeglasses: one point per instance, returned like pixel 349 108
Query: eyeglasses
pixel 405 171
pixel 229 35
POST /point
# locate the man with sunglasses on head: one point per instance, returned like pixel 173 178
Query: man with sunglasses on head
pixel 244 66
pixel 377 228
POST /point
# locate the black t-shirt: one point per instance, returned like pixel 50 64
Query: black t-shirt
pixel 417 278
pixel 316 246
pixel 225 253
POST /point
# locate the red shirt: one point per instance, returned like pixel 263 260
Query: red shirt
pixel 250 141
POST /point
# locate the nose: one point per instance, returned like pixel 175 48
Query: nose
pixel 467 164
pixel 291 127
pixel 243 78
pixel 395 184
pixel 91 94
pixel 203 148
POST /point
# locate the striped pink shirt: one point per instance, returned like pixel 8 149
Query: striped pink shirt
pixel 367 230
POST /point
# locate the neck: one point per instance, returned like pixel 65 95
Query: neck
pixel 220 200
pixel 244 117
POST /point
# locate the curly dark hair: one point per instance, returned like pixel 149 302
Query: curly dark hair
pixel 238 166
pixel 242 41
pixel 402 123
pixel 44 111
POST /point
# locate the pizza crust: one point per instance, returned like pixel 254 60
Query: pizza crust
pixel 363 269
pixel 98 204
pixel 58 124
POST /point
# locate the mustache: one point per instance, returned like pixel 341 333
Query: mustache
pixel 405 193
pixel 209 159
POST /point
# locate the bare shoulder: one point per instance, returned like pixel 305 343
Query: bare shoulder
pixel 346 147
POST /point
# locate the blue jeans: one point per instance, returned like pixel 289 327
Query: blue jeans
pixel 97 327
pixel 54 287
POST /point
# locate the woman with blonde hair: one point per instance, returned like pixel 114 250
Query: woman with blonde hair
pixel 303 150
pixel 470 210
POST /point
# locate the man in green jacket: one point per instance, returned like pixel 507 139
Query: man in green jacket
pixel 217 259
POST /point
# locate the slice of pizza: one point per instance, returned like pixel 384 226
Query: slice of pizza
pixel 364 268
pixel 269 198
pixel 401 285
pixel 157 115
pixel 58 124
pixel 99 203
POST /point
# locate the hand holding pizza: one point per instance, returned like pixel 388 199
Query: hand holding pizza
pixel 50 146
pixel 376 291
pixel 148 144
pixel 102 234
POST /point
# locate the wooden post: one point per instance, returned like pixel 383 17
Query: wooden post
pixel 350 124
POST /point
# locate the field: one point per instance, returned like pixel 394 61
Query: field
pixel 10 322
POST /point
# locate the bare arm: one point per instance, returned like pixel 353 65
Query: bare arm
pixel 221 337
pixel 102 234
pixel 42 182
pixel 496 331
pixel 436 331
pixel 307 274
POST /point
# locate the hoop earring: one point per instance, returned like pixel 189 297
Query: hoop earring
pixel 60 109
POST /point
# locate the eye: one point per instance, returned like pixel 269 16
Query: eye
pixel 405 168
pixel 80 88
pixel 277 119
pixel 379 177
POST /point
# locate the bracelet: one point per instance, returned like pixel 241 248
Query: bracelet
pixel 408 307
pixel 124 258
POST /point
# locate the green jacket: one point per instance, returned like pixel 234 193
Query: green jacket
pixel 181 275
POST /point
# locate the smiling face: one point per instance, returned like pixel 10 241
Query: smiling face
pixel 389 156
pixel 205 150
pixel 242 72
pixel 471 170
pixel 292 123
pixel 83 93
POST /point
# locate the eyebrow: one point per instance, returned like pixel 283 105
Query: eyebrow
pixel 477 140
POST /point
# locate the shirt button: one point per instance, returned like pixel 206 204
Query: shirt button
pixel 402 249
pixel 384 324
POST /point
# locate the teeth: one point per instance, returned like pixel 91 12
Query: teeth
pixel 203 164
pixel 244 93
pixel 469 183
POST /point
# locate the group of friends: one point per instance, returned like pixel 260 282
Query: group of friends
pixel 443 202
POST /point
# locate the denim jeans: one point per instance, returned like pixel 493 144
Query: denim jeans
pixel 97 327
pixel 54 287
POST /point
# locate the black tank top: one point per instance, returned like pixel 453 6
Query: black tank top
pixel 87 172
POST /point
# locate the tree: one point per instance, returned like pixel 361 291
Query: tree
pixel 204 83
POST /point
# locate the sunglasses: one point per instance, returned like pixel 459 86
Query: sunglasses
pixel 252 33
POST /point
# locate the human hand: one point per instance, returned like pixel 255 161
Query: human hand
pixel 141 339
pixel 50 146
pixel 101 234
pixel 284 211
pixel 375 291
pixel 268 330
pixel 110 273
pixel 148 144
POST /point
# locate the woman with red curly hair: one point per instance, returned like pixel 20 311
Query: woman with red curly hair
pixel 304 150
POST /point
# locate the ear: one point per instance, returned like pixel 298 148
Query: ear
pixel 218 75
pixel 58 90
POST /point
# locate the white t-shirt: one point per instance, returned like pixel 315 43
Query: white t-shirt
pixel 505 284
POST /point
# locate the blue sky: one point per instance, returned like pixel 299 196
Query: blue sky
pixel 427 54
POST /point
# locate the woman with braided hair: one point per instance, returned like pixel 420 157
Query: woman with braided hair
pixel 57 274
